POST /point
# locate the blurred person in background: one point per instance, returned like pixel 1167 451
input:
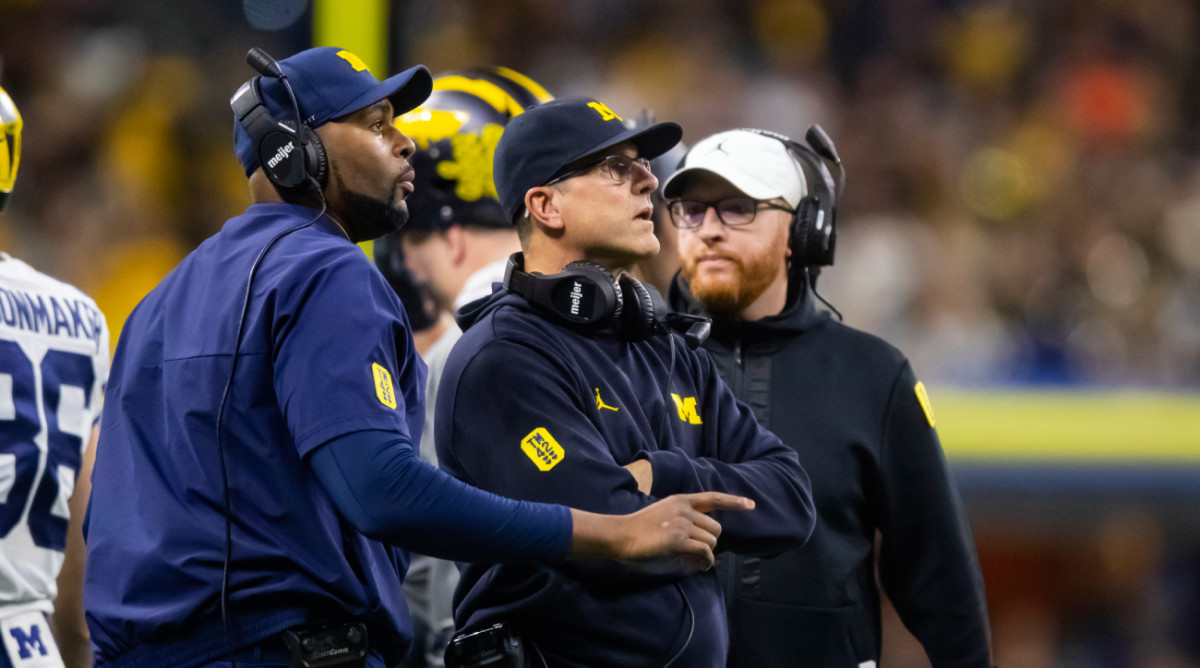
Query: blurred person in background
pixel 660 269
pixel 752 234
pixel 53 367
pixel 455 244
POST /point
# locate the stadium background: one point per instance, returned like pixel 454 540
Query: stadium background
pixel 1022 218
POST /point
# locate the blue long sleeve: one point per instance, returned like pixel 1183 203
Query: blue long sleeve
pixel 379 485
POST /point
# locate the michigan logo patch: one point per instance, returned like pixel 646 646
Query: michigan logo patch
pixel 605 113
pixel 354 60
pixel 384 390
pixel 923 397
pixel 28 642
pixel 687 409
pixel 542 449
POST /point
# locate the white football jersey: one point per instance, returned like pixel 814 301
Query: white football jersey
pixel 53 368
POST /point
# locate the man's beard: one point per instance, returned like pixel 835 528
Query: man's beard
pixel 366 217
pixel 729 295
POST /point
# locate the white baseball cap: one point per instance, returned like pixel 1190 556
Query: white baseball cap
pixel 758 165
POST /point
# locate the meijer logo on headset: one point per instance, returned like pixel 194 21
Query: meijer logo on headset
pixel 576 297
pixel 282 153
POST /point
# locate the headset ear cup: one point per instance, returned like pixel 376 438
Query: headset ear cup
pixel 599 275
pixel 637 321
pixel 830 246
pixel 316 163
pixel 802 225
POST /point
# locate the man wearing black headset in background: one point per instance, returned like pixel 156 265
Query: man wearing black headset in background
pixel 256 468
pixel 751 235
pixel 567 388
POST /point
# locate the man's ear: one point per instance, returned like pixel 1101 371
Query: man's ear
pixel 543 204
pixel 456 244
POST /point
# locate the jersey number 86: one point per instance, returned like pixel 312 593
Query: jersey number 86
pixel 20 425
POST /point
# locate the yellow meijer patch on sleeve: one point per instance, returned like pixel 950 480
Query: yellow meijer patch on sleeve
pixel 354 60
pixel 542 449
pixel 384 390
pixel 923 397
pixel 687 409
pixel 605 113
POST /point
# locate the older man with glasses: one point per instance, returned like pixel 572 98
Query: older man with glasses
pixel 588 398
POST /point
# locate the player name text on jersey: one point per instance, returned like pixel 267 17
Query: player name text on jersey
pixel 46 314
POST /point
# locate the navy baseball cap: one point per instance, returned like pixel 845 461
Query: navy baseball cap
pixel 330 83
pixel 544 141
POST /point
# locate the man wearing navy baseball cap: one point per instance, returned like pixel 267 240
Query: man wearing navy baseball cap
pixel 256 472
pixel 602 407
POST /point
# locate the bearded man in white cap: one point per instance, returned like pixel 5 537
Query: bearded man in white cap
pixel 751 232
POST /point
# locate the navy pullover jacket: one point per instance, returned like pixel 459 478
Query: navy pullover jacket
pixel 533 410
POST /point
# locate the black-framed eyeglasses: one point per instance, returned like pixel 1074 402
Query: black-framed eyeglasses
pixel 618 167
pixel 689 214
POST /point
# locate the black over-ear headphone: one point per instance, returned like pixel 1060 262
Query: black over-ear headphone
pixel 292 158
pixel 586 297
pixel 813 233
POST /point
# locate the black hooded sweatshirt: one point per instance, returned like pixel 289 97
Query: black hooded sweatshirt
pixel 850 405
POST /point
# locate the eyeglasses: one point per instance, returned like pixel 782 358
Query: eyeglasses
pixel 732 212
pixel 618 167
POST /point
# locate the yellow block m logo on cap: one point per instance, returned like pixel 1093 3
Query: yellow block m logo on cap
pixel 542 449
pixel 354 60
pixel 384 390
pixel 605 113
pixel 687 409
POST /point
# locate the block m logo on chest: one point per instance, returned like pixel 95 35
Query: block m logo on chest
pixel 686 407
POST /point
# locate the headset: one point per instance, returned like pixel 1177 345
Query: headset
pixel 813 232
pixel 293 159
pixel 295 170
pixel 587 297
pixel 813 237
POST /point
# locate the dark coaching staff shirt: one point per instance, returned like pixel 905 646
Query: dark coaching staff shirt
pixel 156 524
pixel 535 411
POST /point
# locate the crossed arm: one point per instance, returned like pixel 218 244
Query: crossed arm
pixel 484 435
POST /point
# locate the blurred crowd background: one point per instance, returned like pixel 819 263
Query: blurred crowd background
pixel 1023 203
pixel 1022 207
